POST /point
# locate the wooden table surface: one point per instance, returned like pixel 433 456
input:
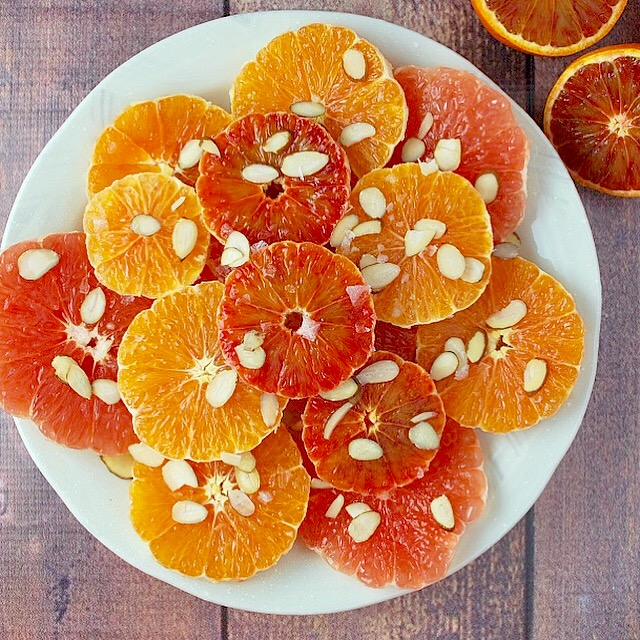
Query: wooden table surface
pixel 569 569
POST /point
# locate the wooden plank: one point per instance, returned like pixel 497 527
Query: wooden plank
pixel 587 543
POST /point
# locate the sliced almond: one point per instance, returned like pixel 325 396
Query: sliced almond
pixel 231 458
pixel 343 391
pixel 423 436
pixel 366 260
pixel 189 512
pixel 354 64
pixel 69 371
pixel 316 483
pixel 145 225
pixel 510 315
pixel 373 202
pixel 379 275
pixel 365 449
pixel 190 154
pixel 93 306
pixel 241 503
pixel 269 408
pixel 236 250
pixel 335 507
pixel 428 167
pixel 340 230
pixel 252 340
pixel 448 153
pixel 456 346
pixel 144 454
pixel 438 227
pixel 120 465
pixel 106 390
pixel 334 419
pixel 378 372
pixel 304 163
pixel 444 366
pixel 356 132
pixel 247 462
pixel 232 257
pixel 535 373
pixel 363 526
pixel 476 346
pixel 506 251
pixel 221 387
pixel 413 149
pixel 416 241
pixel 251 359
pixel 442 512
pixel 425 125
pixel 249 482
pixel 260 173
pixel 179 473
pixel 473 270
pixel 210 146
pixel 425 415
pixel 451 263
pixel 356 508
pixel 308 109
pixel 184 237
pixel 277 142
pixel 34 263
pixel 513 238
pixel 370 227
pixel 487 186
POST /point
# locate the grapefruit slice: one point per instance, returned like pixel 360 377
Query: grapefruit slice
pixel 469 127
pixel 407 537
pixel 60 332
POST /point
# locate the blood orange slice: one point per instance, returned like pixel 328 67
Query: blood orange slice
pixel 382 436
pixel 278 177
pixel 407 537
pixel 296 319
pixel 513 357
pixel 60 332
pixel 398 340
pixel 213 268
pixel 469 128
pixel 221 522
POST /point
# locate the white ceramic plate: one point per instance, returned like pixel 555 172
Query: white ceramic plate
pixel 204 60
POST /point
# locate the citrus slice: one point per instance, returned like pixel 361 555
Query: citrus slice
pixel 296 319
pixel 550 27
pixel 513 357
pixel 331 75
pixel 60 332
pixel 213 268
pixel 278 177
pixel 216 529
pixel 592 118
pixel 167 135
pixel 413 233
pixel 407 537
pixel 398 340
pixel 145 235
pixel 460 123
pixel 382 436
pixel 186 402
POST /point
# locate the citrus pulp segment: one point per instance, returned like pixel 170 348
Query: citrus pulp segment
pixel 429 254
pixel 408 547
pixel 60 332
pixel 238 534
pixel 398 340
pixel 388 435
pixel 145 235
pixel 331 75
pixel 453 105
pixel 296 319
pixel 167 135
pixel 278 177
pixel 592 118
pixel 519 354
pixel 186 402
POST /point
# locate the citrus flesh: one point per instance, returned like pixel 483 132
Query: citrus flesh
pixel 398 340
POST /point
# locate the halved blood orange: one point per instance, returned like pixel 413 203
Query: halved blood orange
pixel 167 135
pixel 278 177
pixel 216 529
pixel 60 332
pixel 398 340
pixel 513 357
pixel 186 402
pixel 549 27
pixel 382 436
pixel 406 545
pixel 145 235
pixel 592 118
pixel 423 243
pixel 296 319
pixel 330 74
pixel 469 127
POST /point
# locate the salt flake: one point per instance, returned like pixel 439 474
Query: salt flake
pixel 309 328
pixel 356 292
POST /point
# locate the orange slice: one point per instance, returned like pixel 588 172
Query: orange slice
pixel 398 340
pixel 167 135
pixel 145 235
pixel 549 27
pixel 186 402
pixel 513 357
pixel 382 436
pixel 216 529
pixel 278 177
pixel 296 319
pixel 330 74
pixel 592 118
pixel 413 233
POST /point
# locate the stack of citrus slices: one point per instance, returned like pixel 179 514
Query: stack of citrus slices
pixel 293 317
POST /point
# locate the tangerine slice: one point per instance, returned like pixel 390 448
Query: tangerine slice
pixel 224 545
pixel 186 402
pixel 592 118
pixel 149 137
pixel 429 233
pixel 145 235
pixel 388 435
pixel 296 319
pixel 407 547
pixel 278 177
pixel 519 351
pixel 451 105
pixel 330 74
pixel 398 340
pixel 52 308
pixel 549 27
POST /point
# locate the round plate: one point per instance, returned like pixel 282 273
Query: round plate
pixel 204 60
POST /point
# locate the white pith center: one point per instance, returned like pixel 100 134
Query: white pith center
pixel 204 370
pixel 500 337
pixel 620 124
pixel 217 490
pixel 92 341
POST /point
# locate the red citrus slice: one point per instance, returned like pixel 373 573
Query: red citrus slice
pixel 278 177
pixel 407 546
pixel 213 269
pixel 398 340
pixel 296 319
pixel 54 313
